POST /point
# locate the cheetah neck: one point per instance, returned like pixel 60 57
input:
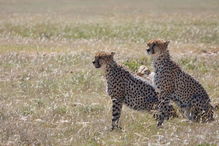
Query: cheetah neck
pixel 161 59
pixel 111 65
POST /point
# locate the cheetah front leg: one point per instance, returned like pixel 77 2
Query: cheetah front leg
pixel 164 108
pixel 116 112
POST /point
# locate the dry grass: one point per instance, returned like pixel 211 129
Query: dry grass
pixel 50 94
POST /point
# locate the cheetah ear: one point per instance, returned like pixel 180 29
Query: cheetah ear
pixel 166 43
pixel 113 53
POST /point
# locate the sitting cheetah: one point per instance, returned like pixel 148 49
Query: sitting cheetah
pixel 126 88
pixel 176 85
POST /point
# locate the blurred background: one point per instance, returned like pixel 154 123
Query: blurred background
pixel 50 94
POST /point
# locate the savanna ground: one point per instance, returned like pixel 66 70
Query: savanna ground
pixel 50 93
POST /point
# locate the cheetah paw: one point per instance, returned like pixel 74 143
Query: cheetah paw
pixel 116 127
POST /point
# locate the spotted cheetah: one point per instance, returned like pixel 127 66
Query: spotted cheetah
pixel 178 86
pixel 126 88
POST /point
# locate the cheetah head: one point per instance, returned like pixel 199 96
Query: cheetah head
pixel 157 47
pixel 102 59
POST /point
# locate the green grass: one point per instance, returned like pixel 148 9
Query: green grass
pixel 195 64
pixel 189 32
pixel 51 94
pixel 135 63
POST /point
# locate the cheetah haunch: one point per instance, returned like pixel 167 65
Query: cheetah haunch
pixel 176 85
pixel 125 88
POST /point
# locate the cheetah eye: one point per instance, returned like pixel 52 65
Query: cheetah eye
pixel 153 45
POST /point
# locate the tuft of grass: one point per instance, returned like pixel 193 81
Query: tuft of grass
pixel 188 63
pixel 27 111
pixel 60 110
pixel 206 144
pixel 194 64
pixel 90 109
pixel 132 65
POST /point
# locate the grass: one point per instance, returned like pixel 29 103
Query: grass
pixel 50 93
pixel 194 31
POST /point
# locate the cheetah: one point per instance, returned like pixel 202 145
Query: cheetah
pixel 175 85
pixel 126 88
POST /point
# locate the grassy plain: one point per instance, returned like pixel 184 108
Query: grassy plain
pixel 50 94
